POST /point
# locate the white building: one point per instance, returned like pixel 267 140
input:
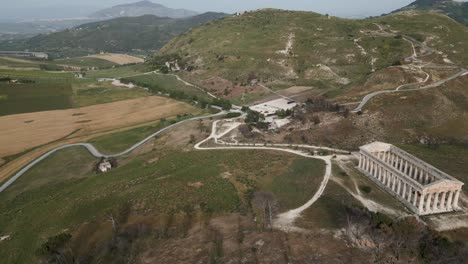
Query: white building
pixel 105 166
pixel 270 108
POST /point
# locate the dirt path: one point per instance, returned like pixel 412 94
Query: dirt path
pixel 286 220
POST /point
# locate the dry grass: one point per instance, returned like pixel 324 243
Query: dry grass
pixel 120 59
pixel 18 133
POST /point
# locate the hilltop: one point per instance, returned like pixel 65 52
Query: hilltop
pixel 142 8
pixel 116 35
pixel 289 48
pixel 453 9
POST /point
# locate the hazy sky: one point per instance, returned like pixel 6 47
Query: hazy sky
pixel 25 9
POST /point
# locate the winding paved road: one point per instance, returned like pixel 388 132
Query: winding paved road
pixel 368 97
pixel 93 151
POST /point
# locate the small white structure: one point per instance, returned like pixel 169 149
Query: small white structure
pixel 418 185
pixel 269 109
pixel 105 166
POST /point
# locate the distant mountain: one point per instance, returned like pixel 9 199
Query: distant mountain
pixel 116 35
pixel 142 8
pixel 456 10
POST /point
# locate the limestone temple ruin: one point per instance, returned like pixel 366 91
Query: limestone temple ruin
pixel 418 185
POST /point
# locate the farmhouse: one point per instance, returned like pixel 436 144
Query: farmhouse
pixel 418 185
pixel 104 166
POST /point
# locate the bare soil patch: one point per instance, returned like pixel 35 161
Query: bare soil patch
pixel 120 59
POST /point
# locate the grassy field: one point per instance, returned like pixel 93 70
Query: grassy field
pixel 88 92
pixel 9 63
pixel 119 72
pixel 36 91
pixel 297 184
pixel 52 198
pixel 120 141
pixel 86 62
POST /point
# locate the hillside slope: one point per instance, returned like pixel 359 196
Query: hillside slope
pixel 116 35
pixel 142 8
pixel 286 48
pixel 453 9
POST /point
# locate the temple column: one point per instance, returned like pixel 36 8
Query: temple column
pixel 436 202
pixel 421 203
pixel 449 201
pixel 410 171
pixel 410 193
pixel 399 187
pixel 404 191
pixel 415 200
pixel 428 202
pixel 421 175
pixel 455 201
pixel 360 161
pixel 442 201
pixel 427 178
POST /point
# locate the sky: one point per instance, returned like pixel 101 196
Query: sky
pixel 30 9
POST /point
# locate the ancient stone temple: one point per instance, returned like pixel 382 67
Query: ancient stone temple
pixel 418 185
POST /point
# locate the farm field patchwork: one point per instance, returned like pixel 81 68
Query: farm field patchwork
pixel 24 131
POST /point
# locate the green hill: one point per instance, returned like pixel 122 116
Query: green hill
pixel 453 9
pixel 287 48
pixel 117 35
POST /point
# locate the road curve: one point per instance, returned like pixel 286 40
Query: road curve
pixel 93 151
pixel 368 97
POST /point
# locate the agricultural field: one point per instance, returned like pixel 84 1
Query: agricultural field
pixel 209 183
pixel 32 91
pixel 25 131
pixel 119 72
pixel 120 59
pixel 88 92
pixel 86 62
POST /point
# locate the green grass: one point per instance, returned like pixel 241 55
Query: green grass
pixel 167 84
pixel 119 71
pixel 297 184
pixel 17 64
pixel 86 62
pixel 49 91
pixel 62 192
pixel 120 141
pixel 90 92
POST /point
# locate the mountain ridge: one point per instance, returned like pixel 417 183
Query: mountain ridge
pixel 122 34
pixel 453 9
pixel 142 8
